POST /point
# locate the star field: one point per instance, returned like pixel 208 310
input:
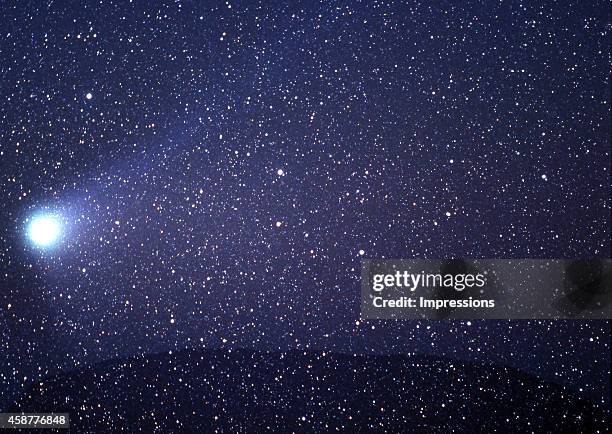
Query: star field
pixel 221 168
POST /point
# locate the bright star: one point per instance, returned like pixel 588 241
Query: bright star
pixel 44 230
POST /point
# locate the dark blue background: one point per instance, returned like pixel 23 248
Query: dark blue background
pixel 167 178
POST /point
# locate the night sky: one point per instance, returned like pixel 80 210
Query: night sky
pixel 218 170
